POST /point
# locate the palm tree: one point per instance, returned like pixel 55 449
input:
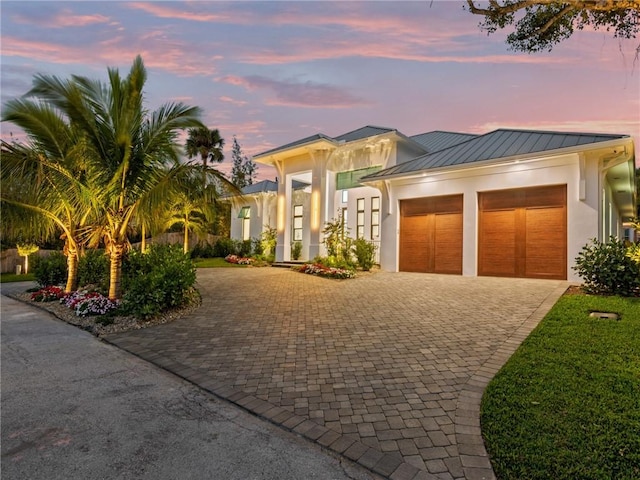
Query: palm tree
pixel 43 181
pixel 194 203
pixel 206 143
pixel 135 153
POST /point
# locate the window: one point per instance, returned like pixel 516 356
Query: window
pixel 245 215
pixel 360 219
pixel 297 223
pixel 345 196
pixel 375 218
pixel 352 178
pixel 345 227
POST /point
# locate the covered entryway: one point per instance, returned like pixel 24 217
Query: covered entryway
pixel 523 233
pixel 431 235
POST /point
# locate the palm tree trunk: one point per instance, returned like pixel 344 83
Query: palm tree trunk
pixel 26 264
pixel 72 270
pixel 143 245
pixel 185 244
pixel 115 271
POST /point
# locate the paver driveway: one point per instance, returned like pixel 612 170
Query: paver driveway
pixel 386 369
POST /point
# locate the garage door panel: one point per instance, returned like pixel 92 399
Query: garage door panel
pixel 431 235
pixel 414 244
pixel 498 243
pixel 545 243
pixel 448 243
pixel 523 232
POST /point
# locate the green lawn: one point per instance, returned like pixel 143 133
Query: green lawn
pixel 12 277
pixel 567 404
pixel 214 263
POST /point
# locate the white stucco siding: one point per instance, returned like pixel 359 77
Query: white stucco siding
pixel 353 194
pixel 263 212
pixel 582 215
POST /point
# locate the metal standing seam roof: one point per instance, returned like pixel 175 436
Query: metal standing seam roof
pixel 439 140
pixel 501 143
pixel 358 134
pixel 296 143
pixel 364 132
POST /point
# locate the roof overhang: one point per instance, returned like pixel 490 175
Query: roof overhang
pixel 269 158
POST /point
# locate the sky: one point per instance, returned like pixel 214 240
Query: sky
pixel 273 72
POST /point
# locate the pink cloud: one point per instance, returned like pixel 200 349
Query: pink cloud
pixel 63 19
pixel 163 11
pixel 232 101
pixel 169 56
pixel 298 94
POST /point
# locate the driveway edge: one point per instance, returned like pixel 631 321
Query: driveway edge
pixel 473 454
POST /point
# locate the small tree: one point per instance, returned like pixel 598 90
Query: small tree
pixel 24 250
pixel 244 168
pixel 337 240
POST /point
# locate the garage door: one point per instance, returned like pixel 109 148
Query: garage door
pixel 523 233
pixel 431 235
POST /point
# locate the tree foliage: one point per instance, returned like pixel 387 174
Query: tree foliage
pixel 244 168
pixel 541 24
pixel 99 156
pixel 207 144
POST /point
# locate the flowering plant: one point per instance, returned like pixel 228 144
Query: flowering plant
pixel 47 294
pixel 88 303
pixel 238 260
pixel 323 271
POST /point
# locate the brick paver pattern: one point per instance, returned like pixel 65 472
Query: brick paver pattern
pixel 375 368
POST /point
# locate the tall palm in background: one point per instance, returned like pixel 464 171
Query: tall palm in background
pixel 45 186
pixel 134 153
pixel 207 144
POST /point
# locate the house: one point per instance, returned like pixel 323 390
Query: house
pixel 511 203
pixel 255 211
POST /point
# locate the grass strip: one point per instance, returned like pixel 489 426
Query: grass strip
pixel 567 403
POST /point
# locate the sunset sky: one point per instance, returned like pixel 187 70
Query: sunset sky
pixel 273 72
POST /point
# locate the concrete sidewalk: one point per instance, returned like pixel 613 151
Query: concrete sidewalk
pixel 74 407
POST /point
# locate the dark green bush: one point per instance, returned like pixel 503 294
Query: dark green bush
pixel 365 253
pixel 244 248
pixel 296 250
pixel 258 248
pixel 203 250
pixel 607 269
pixel 224 246
pixel 51 270
pixel 155 281
pixel 93 269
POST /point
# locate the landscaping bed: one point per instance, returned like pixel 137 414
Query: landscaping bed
pixel 100 325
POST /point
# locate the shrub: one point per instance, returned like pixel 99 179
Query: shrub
pixel 223 247
pixel 203 250
pixel 633 252
pixel 51 270
pixel 257 248
pixel 365 252
pixel 296 250
pixel 158 280
pixel 93 268
pixel 607 269
pixel 269 239
pixel 243 248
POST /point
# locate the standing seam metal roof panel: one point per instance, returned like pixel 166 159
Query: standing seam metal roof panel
pixel 497 144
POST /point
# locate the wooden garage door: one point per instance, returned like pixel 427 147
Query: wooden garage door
pixel 523 233
pixel 431 235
